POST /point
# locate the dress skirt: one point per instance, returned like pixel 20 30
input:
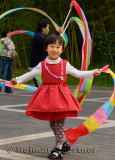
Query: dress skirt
pixel 53 102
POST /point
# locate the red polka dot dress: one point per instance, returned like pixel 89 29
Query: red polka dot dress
pixel 53 100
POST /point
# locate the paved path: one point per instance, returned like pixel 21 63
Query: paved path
pixel 25 138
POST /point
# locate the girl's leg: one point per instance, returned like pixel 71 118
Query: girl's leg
pixel 60 137
pixel 58 129
pixel 52 125
pixel 58 132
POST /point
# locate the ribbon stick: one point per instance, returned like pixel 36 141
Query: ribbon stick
pixel 65 28
pixel 71 5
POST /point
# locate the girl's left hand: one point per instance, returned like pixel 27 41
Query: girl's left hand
pixel 96 72
pixel 13 81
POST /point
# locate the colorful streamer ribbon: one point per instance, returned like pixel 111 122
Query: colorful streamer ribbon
pixel 86 48
pixel 22 86
pixel 23 32
pixel 83 83
pixel 39 11
pixel 95 120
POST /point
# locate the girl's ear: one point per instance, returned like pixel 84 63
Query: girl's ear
pixel 62 49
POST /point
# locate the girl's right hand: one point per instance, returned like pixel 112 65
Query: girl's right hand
pixel 13 81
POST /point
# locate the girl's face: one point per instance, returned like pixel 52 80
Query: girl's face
pixel 54 50
pixel 9 34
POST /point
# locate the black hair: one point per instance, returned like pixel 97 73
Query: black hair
pixel 41 24
pixel 52 39
pixel 4 32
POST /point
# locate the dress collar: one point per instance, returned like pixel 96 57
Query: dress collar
pixel 53 61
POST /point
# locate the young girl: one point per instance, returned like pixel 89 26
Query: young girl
pixel 54 101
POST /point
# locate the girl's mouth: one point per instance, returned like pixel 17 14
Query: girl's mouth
pixel 54 54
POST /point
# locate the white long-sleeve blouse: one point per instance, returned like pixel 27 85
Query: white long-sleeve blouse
pixel 69 70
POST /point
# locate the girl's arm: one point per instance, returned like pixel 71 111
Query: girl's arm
pixel 81 74
pixel 27 76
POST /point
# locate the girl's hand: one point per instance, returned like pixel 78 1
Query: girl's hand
pixel 13 81
pixel 96 72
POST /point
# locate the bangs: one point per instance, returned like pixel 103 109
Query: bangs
pixel 53 39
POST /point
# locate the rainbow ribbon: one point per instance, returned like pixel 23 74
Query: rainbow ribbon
pixel 39 11
pixel 95 120
pixel 21 86
pixel 80 93
pixel 23 32
pixel 86 48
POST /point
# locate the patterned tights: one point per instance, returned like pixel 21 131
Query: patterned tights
pixel 58 129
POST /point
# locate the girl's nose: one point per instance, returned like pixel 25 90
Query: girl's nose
pixel 54 49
